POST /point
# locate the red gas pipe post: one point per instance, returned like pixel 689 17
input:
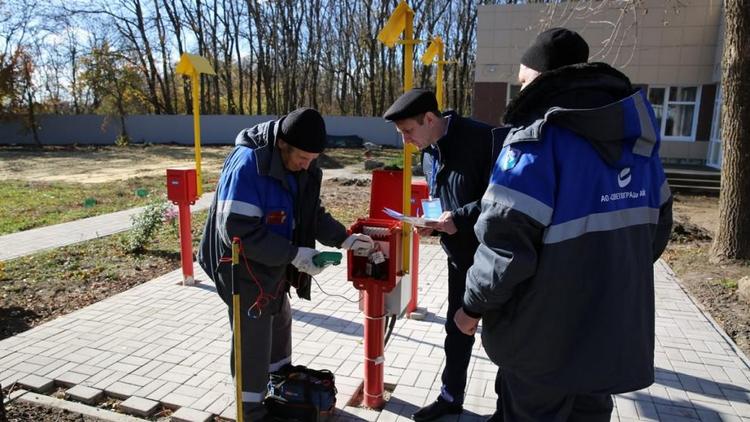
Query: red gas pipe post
pixel 182 191
pixel 374 332
pixel 374 278
pixel 186 244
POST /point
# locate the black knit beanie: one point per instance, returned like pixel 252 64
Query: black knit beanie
pixel 305 129
pixel 556 47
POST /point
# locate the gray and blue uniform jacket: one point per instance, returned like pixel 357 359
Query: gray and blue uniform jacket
pixel 273 212
pixel 576 213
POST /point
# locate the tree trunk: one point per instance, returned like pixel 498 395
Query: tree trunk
pixel 32 119
pixel 174 18
pixel 235 20
pixel 733 238
pixel 2 405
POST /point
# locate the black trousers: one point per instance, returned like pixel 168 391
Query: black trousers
pixel 525 402
pixel 457 344
pixel 266 338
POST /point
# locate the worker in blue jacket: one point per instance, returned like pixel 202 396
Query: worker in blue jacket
pixel 268 196
pixel 576 213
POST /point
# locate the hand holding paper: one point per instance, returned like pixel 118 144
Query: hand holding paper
pixel 432 214
pixel 444 224
pixel 414 221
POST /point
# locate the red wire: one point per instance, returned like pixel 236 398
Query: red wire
pixel 263 299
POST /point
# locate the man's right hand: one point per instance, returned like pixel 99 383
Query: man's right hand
pixel 304 261
pixel 423 231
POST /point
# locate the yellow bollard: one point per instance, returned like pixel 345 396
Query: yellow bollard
pixel 402 21
pixel 192 65
pixel 236 318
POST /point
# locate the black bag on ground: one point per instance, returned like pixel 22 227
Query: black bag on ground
pixel 302 394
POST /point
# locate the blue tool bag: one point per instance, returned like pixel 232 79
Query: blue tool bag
pixel 302 394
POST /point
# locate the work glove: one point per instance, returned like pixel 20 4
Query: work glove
pixel 304 261
pixel 358 242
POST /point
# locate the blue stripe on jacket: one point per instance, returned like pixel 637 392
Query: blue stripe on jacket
pixel 610 197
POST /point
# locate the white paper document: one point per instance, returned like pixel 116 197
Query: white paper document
pixel 414 221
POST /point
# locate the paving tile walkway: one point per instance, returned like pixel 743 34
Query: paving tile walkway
pixel 27 242
pixel 168 343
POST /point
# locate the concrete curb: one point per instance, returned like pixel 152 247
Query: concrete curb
pixel 707 315
pixel 70 406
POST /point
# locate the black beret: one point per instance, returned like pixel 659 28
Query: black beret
pixel 305 129
pixel 410 104
pixel 556 47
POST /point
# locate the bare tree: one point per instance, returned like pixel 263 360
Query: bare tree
pixel 733 237
pixel 176 19
pixel 270 56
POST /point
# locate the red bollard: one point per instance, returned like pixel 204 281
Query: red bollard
pixel 374 359
pixel 375 280
pixel 181 190
pixel 186 244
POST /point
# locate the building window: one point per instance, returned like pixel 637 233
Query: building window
pixel 716 122
pixel 513 90
pixel 714 145
pixel 676 109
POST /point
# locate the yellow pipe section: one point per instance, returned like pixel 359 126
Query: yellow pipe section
pixel 195 87
pixel 236 318
pixel 439 77
pixel 408 148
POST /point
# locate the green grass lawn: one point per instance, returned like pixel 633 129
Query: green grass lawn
pixel 349 156
pixel 26 205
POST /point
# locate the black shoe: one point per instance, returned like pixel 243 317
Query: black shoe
pixel 496 417
pixel 255 413
pixel 437 409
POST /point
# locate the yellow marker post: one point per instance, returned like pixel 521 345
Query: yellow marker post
pixel 237 336
pixel 193 65
pixel 402 21
pixel 436 49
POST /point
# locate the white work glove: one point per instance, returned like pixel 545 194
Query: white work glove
pixel 358 242
pixel 304 261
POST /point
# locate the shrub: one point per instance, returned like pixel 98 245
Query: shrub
pixel 145 226
pixel 122 141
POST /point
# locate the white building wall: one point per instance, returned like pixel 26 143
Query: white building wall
pixel 667 45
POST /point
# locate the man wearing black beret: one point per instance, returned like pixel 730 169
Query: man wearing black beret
pixel 268 196
pixel 458 156
pixel 576 212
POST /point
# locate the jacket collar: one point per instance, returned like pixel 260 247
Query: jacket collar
pixel 446 141
pixel 262 139
pixel 584 85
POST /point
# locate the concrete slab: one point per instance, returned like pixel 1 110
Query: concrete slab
pixel 84 394
pixel 69 379
pixel 139 406
pixel 186 414
pixel 36 383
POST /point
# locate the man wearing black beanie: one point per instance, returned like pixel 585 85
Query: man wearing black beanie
pixel 576 212
pixel 268 196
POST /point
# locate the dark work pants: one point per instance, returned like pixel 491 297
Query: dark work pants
pixel 457 344
pixel 524 402
pixel 266 341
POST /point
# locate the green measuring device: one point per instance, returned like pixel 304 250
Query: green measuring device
pixel 327 258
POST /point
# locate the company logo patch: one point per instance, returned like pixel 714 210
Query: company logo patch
pixel 623 179
pixel 510 159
